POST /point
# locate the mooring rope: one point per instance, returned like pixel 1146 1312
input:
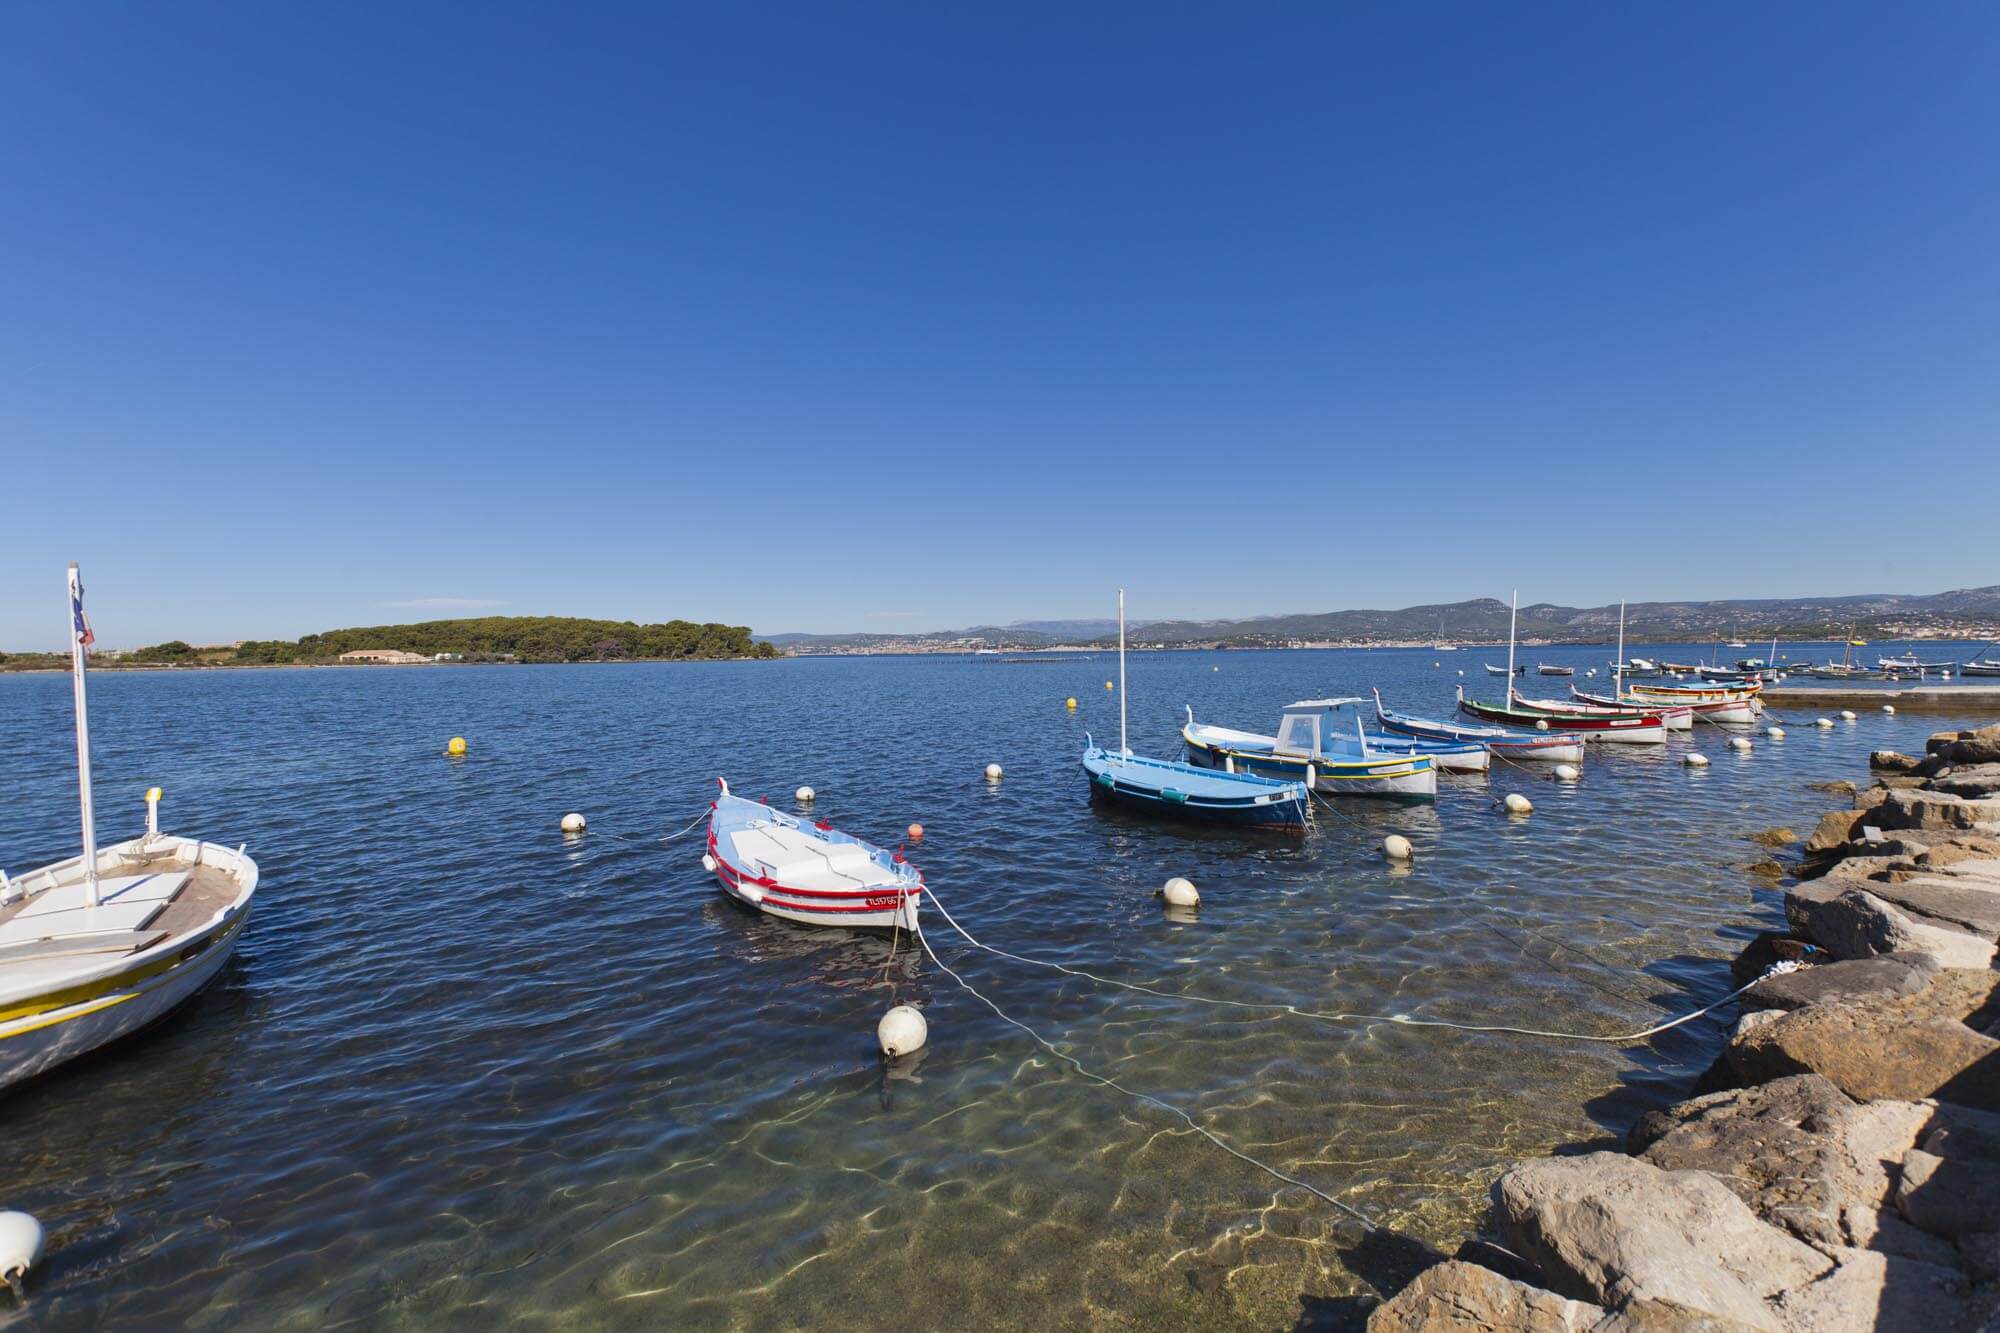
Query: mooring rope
pixel 1145 1097
pixel 1624 1038
pixel 689 829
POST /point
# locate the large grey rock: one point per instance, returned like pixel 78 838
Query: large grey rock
pixel 1958 901
pixel 1970 780
pixel 1871 1290
pixel 1776 1146
pixel 1917 809
pixel 1860 923
pixel 1890 761
pixel 1949 1196
pixel 1885 1231
pixel 1455 1296
pixel 1905 1049
pixel 1977 747
pixel 1799 1151
pixel 1880 978
pixel 1617 1230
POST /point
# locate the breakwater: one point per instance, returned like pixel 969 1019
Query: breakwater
pixel 1839 1166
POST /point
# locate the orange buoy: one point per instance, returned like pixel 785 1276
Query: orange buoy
pixel 916 832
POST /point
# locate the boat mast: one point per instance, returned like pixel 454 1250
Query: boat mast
pixel 1512 616
pixel 79 650
pixel 1618 667
pixel 1123 748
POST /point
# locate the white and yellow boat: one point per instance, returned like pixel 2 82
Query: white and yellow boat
pixel 73 977
pixel 96 947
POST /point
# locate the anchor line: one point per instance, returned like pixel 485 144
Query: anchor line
pixel 1134 1093
pixel 1343 1017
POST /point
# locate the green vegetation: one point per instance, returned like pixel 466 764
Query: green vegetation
pixel 485 639
pixel 534 639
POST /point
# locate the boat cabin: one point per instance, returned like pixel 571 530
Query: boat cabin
pixel 1309 727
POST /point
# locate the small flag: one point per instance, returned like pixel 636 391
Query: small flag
pixel 82 622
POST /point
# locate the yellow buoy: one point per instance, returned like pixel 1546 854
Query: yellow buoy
pixel 1107 684
pixel 1070 703
pixel 455 746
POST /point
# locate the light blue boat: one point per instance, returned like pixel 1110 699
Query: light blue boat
pixel 1175 790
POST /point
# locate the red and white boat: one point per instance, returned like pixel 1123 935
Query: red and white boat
pixel 807 872
pixel 1674 717
pixel 1624 727
pixel 1715 710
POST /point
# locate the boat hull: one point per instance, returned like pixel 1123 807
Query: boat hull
pixel 1193 793
pixel 1401 777
pixel 1548 749
pixel 1741 711
pixel 35 1043
pixel 1645 729
pixel 860 909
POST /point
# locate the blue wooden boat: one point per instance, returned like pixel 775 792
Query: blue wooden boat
pixel 1175 790
pixel 1556 748
pixel 1323 759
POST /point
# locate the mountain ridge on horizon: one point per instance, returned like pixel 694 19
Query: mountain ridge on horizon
pixel 1483 619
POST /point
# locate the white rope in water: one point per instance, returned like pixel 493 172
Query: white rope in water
pixel 1148 1098
pixel 689 829
pixel 1341 1017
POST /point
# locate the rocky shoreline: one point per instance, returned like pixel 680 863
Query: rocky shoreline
pixel 1839 1166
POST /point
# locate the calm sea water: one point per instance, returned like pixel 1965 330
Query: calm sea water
pixel 465 1070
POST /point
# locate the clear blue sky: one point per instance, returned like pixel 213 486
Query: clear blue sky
pixel 834 317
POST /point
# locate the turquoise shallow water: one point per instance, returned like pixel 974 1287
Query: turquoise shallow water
pixel 466 1070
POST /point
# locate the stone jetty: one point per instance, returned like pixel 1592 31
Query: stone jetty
pixel 1840 1166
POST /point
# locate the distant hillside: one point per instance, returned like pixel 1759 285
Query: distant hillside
pixel 1484 620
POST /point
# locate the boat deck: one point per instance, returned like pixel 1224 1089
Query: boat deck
pixel 29 948
pixel 794 857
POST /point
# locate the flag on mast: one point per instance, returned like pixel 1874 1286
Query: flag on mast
pixel 79 621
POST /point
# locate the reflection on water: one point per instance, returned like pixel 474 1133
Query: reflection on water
pixel 468 1070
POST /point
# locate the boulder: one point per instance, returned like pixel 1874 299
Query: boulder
pixel 1960 847
pixel 1776 1146
pixel 1459 1296
pixel 1859 923
pixel 1871 1290
pixel 1891 761
pixel 1949 1196
pixel 1774 837
pixel 1939 739
pixel 1963 1133
pixel 1838 787
pixel 1904 1049
pixel 1976 747
pixel 1942 900
pixel 1836 828
pixel 1879 978
pixel 1618 1230
pixel 1886 1232
pixel 1918 809
pixel 1769 947
pixel 1969 780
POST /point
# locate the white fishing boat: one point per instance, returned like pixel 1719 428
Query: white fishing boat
pixel 96 947
pixel 807 872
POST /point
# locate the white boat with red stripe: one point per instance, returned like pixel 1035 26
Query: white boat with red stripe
pixel 807 871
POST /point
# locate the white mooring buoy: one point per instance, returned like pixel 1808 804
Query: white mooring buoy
pixel 1888 708
pixel 708 863
pixel 1823 722
pixel 805 796
pixel 901 1031
pixel 1566 773
pixel 1696 759
pixel 20 1245
pixel 1847 715
pixel 1180 893
pixel 993 772
pixel 1739 743
pixel 1397 848
pixel 572 822
pixel 1542 724
pixel 1518 804
pixel 1775 733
